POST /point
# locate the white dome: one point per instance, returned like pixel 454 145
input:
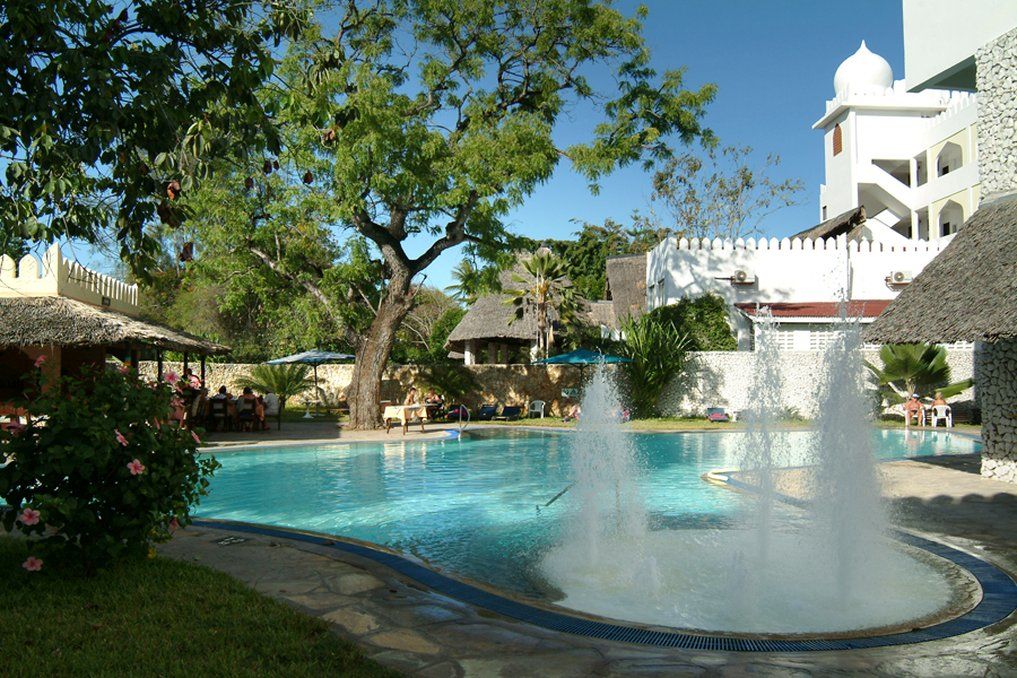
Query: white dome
pixel 863 71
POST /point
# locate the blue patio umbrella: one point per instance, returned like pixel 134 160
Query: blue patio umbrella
pixel 582 357
pixel 314 358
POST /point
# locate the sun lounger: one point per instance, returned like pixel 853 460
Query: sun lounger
pixel 486 412
pixel 509 413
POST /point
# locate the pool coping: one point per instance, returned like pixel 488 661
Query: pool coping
pixel 998 601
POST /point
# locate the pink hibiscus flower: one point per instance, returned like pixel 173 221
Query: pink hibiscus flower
pixel 196 438
pixel 136 467
pixel 171 377
pixel 32 564
pixel 120 437
pixel 29 516
pixel 39 361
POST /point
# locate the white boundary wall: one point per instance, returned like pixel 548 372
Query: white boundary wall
pixel 723 379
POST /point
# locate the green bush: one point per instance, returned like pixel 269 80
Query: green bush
pixel 704 319
pixel 99 475
pixel 660 354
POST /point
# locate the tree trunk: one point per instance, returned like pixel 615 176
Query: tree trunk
pixel 373 353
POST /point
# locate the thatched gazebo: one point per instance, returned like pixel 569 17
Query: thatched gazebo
pixel 73 317
pixel 969 293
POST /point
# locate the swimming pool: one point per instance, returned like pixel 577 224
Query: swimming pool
pixel 475 506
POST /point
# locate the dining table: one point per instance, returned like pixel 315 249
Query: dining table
pixel 404 414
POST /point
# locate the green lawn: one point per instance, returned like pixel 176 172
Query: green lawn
pixel 157 617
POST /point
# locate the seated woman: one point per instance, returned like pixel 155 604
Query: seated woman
pixel 573 414
pixel 938 400
pixel 914 408
pixel 251 407
pixel 411 396
pixel 434 403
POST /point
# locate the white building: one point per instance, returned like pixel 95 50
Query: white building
pixel 802 281
pixel 909 158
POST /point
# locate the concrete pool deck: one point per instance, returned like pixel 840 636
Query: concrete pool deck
pixel 403 625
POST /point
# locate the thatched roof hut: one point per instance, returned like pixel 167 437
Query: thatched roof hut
pixel 489 318
pixel 849 224
pixel 626 286
pixel 59 321
pixel 968 292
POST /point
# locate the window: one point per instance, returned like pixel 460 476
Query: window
pixel 950 158
pixel 838 140
pixel 824 213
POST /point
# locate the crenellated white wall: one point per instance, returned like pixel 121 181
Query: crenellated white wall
pixel 54 275
pixel 785 270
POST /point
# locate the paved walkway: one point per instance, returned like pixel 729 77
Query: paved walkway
pixel 402 625
pixel 294 432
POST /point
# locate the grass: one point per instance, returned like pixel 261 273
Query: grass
pixel 158 617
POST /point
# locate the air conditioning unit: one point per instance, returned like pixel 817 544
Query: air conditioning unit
pixel 741 277
pixel 899 277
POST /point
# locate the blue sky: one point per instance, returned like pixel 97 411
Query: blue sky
pixel 773 62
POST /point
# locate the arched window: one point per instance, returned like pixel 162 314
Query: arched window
pixel 950 158
pixel 838 140
pixel 950 218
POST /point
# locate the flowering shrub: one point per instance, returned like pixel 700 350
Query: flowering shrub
pixel 99 475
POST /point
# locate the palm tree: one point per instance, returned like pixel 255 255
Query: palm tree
pixel 285 381
pixel 544 288
pixel 472 281
pixel 914 368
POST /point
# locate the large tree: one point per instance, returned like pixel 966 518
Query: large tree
pixel 437 117
pixel 110 108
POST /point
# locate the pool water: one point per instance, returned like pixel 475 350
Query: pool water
pixel 476 506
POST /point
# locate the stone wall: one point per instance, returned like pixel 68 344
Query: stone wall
pixel 718 379
pixel 997 391
pixel 996 68
pixel 723 379
pixel 507 384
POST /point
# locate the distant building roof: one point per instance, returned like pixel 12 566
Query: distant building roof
pixel 602 313
pixel 968 292
pixel 849 223
pixel 857 308
pixel 626 286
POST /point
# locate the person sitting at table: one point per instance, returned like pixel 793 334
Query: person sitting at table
pixel 190 380
pixel 433 398
pixel 222 394
pixel 248 402
pixel 411 396
pixel 938 400
pixel 914 408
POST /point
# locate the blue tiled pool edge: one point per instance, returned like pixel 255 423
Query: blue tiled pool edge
pixel 999 601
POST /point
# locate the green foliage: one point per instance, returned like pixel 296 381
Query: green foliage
pixel 913 368
pixel 541 289
pixel 472 281
pixel 286 381
pixel 453 382
pixel 703 319
pixel 72 466
pixel 111 109
pixel 586 257
pixel 660 354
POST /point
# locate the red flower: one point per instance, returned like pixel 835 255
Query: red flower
pixel 32 564
pixel 39 361
pixel 136 467
pixel 29 516
pixel 120 437
pixel 171 377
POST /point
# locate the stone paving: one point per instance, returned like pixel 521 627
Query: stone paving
pixel 418 632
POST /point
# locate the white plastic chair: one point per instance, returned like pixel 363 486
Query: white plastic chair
pixel 536 407
pixel 944 413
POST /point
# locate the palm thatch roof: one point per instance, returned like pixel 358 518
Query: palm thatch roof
pixel 602 313
pixel 489 318
pixel 849 223
pixel 626 285
pixel 968 292
pixel 42 321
